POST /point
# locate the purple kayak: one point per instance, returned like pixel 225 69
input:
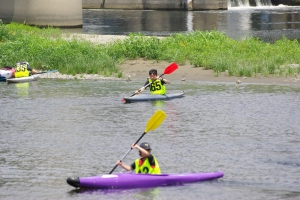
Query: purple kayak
pixel 131 180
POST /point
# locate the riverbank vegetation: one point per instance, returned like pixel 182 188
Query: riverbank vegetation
pixel 47 48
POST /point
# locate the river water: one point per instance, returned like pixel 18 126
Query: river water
pixel 268 23
pixel 54 129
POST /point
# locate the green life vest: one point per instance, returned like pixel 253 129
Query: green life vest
pixel 146 168
pixel 156 87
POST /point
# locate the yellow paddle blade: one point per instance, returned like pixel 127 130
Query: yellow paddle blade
pixel 156 119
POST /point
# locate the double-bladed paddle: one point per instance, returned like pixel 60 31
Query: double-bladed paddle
pixel 154 122
pixel 171 68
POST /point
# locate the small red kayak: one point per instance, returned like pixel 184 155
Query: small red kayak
pixel 6 73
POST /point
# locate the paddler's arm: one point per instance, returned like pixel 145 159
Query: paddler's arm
pixel 126 167
pixel 164 80
pixel 142 88
pixel 33 71
pixel 30 69
pixel 140 149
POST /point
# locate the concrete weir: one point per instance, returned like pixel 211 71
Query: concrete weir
pixel 57 13
pixel 156 4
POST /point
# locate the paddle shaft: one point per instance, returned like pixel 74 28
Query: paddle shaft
pixel 128 152
pixel 44 72
pixel 154 122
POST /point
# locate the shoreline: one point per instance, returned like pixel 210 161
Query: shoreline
pixel 138 69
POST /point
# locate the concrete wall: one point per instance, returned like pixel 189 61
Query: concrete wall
pixel 210 5
pixel 157 4
pixel 58 13
pixel 92 4
pixel 146 4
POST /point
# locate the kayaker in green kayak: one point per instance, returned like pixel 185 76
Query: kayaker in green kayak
pixel 147 164
pixel 156 84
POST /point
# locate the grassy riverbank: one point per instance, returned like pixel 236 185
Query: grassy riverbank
pixel 48 49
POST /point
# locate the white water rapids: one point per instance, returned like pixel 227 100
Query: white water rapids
pixel 247 3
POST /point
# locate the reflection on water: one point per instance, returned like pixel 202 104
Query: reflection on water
pixel 22 89
pixel 267 23
pixel 139 193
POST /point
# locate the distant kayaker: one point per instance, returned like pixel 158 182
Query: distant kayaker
pixel 147 164
pixel 23 69
pixel 156 84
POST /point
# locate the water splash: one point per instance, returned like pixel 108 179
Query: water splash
pixel 248 3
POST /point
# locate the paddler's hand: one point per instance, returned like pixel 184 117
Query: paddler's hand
pixel 164 80
pixel 119 162
pixel 134 146
pixel 161 79
pixel 33 71
pixel 140 90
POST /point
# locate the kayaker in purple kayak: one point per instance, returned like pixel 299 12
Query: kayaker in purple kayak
pixel 147 164
pixel 156 83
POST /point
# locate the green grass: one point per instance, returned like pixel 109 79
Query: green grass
pixel 46 49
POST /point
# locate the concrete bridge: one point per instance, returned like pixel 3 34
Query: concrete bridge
pixel 68 13
pixel 157 4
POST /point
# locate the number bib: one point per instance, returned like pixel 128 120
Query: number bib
pixel 156 87
pixel 21 71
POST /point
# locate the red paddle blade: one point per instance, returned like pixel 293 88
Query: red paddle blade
pixel 171 68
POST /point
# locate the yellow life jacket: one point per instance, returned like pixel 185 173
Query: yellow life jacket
pixel 145 167
pixel 156 87
pixel 21 71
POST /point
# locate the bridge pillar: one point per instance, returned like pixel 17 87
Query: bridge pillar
pixel 57 13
